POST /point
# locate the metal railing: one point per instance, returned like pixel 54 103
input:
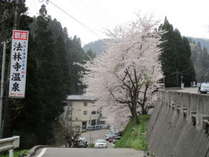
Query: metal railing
pixel 9 144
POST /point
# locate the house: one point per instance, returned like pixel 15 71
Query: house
pixel 82 112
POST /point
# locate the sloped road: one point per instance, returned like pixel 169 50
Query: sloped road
pixel 91 136
pixel 84 152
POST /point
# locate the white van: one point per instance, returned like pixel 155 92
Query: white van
pixel 204 88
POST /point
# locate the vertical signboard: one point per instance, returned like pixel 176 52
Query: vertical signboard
pixel 18 64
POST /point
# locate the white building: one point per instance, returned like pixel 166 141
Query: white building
pixel 82 112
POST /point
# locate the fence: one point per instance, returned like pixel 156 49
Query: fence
pixel 9 144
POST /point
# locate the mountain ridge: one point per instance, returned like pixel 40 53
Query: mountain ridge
pixel 99 46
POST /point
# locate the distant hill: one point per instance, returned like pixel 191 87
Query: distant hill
pixel 203 42
pixel 97 46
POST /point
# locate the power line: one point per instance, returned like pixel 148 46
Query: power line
pixel 72 17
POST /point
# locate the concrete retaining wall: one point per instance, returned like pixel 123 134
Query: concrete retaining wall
pixel 179 126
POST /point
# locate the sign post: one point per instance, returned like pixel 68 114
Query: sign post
pixel 18 65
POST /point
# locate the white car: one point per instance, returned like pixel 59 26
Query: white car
pixel 100 143
pixel 204 88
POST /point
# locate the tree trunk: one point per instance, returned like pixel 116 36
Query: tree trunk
pixel 134 115
pixel 144 111
pixel 137 120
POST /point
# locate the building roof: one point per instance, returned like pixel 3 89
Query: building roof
pixel 80 98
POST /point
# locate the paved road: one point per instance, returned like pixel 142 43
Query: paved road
pixel 190 90
pixel 91 136
pixel 84 152
pixel 193 90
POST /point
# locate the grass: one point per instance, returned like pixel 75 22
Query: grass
pixel 91 145
pixel 17 153
pixel 135 135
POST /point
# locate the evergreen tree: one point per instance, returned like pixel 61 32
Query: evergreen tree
pixel 76 56
pixel 200 59
pixel 11 107
pixel 52 74
pixel 176 57
pixel 90 54
pixel 47 84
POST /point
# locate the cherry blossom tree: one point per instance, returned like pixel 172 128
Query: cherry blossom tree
pixel 125 77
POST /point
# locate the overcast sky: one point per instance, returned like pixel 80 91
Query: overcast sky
pixel 191 17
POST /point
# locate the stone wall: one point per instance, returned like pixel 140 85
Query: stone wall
pixel 179 126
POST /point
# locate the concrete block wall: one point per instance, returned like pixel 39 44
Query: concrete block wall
pixel 177 125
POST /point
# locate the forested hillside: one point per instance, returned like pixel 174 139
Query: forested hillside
pixel 98 46
pixel 203 42
pixel 200 58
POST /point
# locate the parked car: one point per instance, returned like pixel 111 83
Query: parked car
pixel 119 133
pixel 100 143
pixel 203 88
pixel 82 142
pixel 109 138
pixel 91 127
pixel 104 126
pixel 112 137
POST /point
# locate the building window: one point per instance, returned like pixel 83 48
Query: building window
pixel 85 103
pixel 101 122
pixel 93 112
pixel 85 112
pixel 93 122
pixel 84 124
pixel 194 122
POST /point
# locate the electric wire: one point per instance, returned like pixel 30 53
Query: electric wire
pixel 75 19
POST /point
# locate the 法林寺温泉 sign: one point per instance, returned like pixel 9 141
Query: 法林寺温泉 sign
pixel 18 63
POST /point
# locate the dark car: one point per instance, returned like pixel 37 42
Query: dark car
pixel 112 137
pixel 81 142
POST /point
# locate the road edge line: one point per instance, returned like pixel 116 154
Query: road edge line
pixel 42 152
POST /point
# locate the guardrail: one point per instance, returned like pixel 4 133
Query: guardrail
pixel 9 144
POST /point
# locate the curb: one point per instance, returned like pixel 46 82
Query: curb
pixel 33 150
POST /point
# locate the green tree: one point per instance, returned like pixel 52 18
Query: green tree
pixel 176 57
pixel 7 13
pixel 53 72
pixel 200 59
pixel 76 56
pixel 90 54
pixel 47 84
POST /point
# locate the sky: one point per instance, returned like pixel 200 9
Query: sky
pixel 191 17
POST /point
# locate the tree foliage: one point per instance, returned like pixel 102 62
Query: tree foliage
pixel 175 57
pixel 200 59
pixel 125 76
pixel 7 10
pixel 52 74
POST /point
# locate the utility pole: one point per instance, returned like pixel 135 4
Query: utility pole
pixel 2 85
pixel 16 14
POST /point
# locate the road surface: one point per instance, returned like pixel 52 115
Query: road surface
pixel 91 136
pixel 84 152
pixel 193 90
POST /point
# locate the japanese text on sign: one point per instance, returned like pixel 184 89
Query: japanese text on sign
pixel 18 63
